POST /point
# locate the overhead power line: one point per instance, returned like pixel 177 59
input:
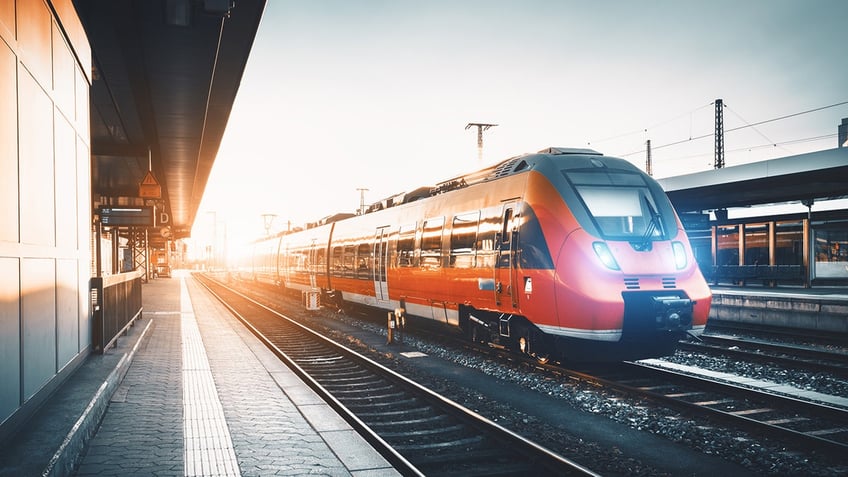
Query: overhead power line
pixel 645 130
pixel 751 148
pixel 751 125
pixel 788 116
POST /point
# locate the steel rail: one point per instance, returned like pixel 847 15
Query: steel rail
pixel 538 457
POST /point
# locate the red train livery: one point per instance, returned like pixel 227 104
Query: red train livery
pixel 564 253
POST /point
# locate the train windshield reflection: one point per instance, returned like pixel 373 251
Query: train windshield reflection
pixel 621 205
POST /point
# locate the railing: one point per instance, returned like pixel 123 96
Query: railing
pixel 770 274
pixel 116 303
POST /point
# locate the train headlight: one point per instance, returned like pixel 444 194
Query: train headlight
pixel 605 256
pixel 679 255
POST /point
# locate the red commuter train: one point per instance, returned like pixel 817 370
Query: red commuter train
pixel 564 253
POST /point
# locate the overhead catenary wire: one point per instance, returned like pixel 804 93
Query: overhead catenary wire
pixel 645 130
pixel 709 154
pixel 755 128
pixel 747 125
pixel 751 148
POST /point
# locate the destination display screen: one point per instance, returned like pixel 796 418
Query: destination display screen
pixel 140 216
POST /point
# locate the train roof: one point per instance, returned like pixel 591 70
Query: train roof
pixel 582 158
pixel 505 168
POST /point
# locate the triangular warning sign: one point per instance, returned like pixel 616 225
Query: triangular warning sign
pixel 149 179
pixel 149 187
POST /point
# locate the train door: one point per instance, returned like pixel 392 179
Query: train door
pixel 312 265
pixel 381 263
pixel 285 259
pixel 505 250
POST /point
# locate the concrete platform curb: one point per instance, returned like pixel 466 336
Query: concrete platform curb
pixel 69 453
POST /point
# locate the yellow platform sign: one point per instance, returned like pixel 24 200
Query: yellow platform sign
pixel 149 187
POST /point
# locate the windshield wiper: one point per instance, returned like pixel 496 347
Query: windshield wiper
pixel 654 224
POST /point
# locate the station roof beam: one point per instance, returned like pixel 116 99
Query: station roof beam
pixel 165 77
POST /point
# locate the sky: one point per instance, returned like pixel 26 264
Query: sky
pixel 340 95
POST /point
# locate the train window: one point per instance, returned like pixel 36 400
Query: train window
pixel 463 240
pixel 431 242
pixel 349 261
pixel 337 264
pixel 406 246
pixel 364 261
pixel 505 231
pixel 490 225
pixel 623 205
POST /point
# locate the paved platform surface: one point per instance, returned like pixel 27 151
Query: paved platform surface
pixel 189 392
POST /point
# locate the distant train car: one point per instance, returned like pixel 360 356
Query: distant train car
pixel 564 253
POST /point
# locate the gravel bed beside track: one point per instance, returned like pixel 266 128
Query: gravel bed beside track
pixel 821 382
pixel 759 456
pixel 762 457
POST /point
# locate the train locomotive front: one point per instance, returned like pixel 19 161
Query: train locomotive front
pixel 624 283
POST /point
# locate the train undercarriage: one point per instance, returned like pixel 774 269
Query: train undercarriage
pixel 516 333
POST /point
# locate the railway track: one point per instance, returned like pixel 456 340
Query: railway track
pixel 749 349
pixel 778 333
pixel 803 423
pixel 806 424
pixel 417 430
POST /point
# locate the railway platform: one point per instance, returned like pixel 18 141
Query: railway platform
pixel 188 391
pixel 819 309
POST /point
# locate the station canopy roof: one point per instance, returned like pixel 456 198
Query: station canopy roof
pixel 165 76
pixel 819 175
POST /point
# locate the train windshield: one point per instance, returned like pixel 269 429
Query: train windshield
pixel 622 205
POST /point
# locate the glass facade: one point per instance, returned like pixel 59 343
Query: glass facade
pixel 789 251
pixel 727 250
pixel 789 243
pixel 831 251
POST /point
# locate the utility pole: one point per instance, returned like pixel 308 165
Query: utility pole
pixel 267 221
pixel 362 192
pixel 648 168
pixel 719 134
pixel 480 128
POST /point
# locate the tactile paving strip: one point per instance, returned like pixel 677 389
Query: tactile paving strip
pixel 208 446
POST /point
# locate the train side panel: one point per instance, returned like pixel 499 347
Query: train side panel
pixel 539 249
pixel 303 259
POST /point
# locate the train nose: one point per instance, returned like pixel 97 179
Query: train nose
pixel 672 313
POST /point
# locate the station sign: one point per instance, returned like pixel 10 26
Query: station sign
pixel 693 221
pixel 137 216
pixel 149 187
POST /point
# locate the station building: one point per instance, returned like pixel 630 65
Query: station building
pixel 779 222
pixel 45 199
pixel 93 95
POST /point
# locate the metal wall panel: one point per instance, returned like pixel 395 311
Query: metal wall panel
pixel 7 17
pixel 36 164
pixel 8 145
pixel 45 201
pixel 10 332
pixel 63 74
pixel 66 184
pixel 38 318
pixel 86 268
pixel 34 31
pixel 67 312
